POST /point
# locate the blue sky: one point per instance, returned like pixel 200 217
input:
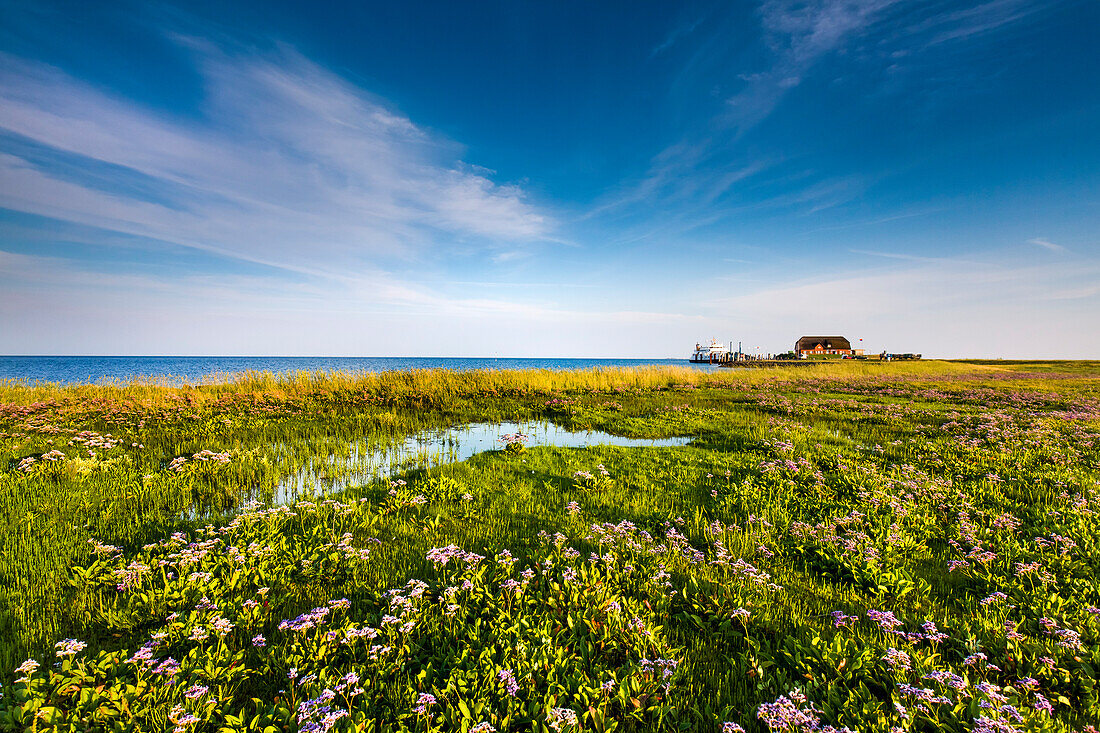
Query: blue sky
pixel 555 179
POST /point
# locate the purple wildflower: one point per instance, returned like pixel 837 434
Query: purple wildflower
pixel 423 703
pixel 508 678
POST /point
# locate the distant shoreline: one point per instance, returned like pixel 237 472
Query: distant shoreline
pixel 72 370
pixel 176 370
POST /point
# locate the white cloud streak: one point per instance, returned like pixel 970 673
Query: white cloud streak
pixel 799 34
pixel 979 19
pixel 291 166
pixel 1047 244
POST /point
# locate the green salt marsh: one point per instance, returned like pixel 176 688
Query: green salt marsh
pixel 911 546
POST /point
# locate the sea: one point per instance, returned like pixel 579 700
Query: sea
pixel 196 369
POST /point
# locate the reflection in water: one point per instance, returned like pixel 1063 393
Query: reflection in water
pixel 324 475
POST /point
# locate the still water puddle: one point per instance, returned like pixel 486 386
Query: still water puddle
pixel 366 463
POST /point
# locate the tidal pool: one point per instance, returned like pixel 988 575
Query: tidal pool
pixel 324 475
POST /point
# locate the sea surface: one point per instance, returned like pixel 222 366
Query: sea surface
pixel 178 369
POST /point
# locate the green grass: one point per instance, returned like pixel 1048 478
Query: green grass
pixel 851 486
pixel 1085 368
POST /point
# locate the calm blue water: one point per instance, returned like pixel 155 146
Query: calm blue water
pixel 94 369
pixel 438 447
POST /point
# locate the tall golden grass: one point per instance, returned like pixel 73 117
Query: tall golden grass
pixel 441 384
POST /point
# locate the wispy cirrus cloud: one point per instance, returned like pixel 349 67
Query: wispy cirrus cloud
pixel 289 165
pixel 914 258
pixel 798 33
pixel 1047 244
pixel 675 36
pixel 958 24
pixel 733 169
pixel 698 172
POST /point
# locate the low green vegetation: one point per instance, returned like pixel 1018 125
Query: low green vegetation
pixel 870 547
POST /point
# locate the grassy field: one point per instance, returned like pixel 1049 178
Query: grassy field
pixel 911 546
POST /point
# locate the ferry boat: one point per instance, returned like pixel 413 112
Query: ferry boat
pixel 710 353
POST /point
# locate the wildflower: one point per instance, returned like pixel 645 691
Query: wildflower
pixel 897 659
pixel 729 727
pixel 195 692
pixel 144 656
pixel 992 725
pixel 355 633
pixel 667 666
pixel 423 703
pixel 169 667
pixel 330 719
pixel 842 619
pixel 993 692
pixel 222 626
pixel 885 619
pixel 305 621
pixel 931 633
pixel 785 715
pixel 347 681
pixel 443 555
pixel 182 719
pixel 28 667
pixel 510 685
pixel 69 647
pixel 557 717
pixel 950 679
pixel 483 727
